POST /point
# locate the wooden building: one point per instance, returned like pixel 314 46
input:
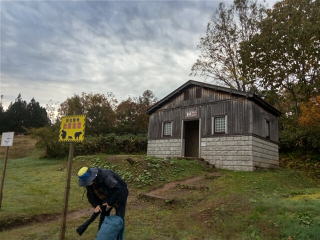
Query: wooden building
pixel 228 128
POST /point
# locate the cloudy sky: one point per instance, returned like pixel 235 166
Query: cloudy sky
pixel 51 50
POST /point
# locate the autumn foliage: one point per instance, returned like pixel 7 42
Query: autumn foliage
pixel 310 113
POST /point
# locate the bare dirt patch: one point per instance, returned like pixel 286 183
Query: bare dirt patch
pixel 47 218
pixel 178 189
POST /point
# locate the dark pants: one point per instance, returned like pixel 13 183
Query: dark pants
pixel 120 207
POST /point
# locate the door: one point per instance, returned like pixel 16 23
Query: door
pixel 191 137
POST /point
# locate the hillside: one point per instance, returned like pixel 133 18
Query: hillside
pixel 277 204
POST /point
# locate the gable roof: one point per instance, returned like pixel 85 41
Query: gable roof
pixel 189 83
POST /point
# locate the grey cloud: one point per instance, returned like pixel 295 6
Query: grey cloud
pixel 51 50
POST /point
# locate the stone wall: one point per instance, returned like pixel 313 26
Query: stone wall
pixel 240 152
pixel 245 153
pixel 164 148
pixel 228 152
pixel 265 153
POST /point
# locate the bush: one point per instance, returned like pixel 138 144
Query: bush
pixel 110 144
pixel 113 144
pixel 48 140
pixel 305 139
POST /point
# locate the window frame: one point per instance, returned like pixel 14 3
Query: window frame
pixel 163 128
pixel 213 124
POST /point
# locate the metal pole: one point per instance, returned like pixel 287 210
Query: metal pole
pixel 67 190
pixel 3 174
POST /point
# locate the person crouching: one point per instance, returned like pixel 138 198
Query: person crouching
pixel 105 190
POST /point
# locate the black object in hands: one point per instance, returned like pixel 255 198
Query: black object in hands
pixel 83 227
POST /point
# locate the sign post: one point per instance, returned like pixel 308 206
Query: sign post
pixel 6 141
pixel 71 130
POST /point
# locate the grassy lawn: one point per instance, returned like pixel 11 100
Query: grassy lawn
pixel 35 186
pixel 276 204
pixel 23 146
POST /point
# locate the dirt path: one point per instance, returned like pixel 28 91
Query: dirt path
pixel 45 218
pixel 159 192
pixel 49 218
pixel 156 193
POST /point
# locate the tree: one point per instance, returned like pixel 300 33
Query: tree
pixel 16 115
pixel 310 113
pixel 220 59
pixel 20 116
pixel 37 115
pixel 126 114
pixel 2 119
pixel 97 107
pixel 285 54
pixel 131 113
pixel 143 103
pixel 100 114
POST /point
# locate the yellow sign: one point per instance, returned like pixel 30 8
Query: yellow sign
pixel 72 128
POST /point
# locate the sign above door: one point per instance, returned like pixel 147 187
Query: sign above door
pixel 191 113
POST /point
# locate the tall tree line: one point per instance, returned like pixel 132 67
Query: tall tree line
pixel 21 115
pixel 105 115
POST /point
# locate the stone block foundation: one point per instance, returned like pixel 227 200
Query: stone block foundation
pixel 245 153
pixel 164 148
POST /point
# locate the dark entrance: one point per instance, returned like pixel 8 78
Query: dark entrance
pixel 191 137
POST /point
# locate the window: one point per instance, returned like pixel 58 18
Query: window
pixel 219 124
pixel 198 92
pixel 267 129
pixel 167 129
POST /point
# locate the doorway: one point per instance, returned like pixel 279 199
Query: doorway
pixel 191 138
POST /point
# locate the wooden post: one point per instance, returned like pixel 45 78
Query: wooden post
pixel 3 174
pixel 67 190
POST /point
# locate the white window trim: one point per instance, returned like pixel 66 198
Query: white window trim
pixel 225 127
pixel 212 125
pixel 163 128
pixel 226 124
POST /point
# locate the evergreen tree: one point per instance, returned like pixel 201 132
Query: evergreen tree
pixel 16 116
pixel 37 115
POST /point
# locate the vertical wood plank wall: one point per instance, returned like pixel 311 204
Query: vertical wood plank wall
pixel 244 116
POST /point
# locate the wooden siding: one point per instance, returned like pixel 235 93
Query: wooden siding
pixel 206 95
pixel 244 117
pixel 237 111
pixel 259 123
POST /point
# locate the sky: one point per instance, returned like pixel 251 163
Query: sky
pixel 51 50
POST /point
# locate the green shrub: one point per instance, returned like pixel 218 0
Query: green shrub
pixel 110 144
pixel 48 140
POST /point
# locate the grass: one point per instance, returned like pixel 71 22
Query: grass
pixel 35 186
pixel 23 146
pixel 238 205
pixel 270 205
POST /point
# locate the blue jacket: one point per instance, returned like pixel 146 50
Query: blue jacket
pixel 112 228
